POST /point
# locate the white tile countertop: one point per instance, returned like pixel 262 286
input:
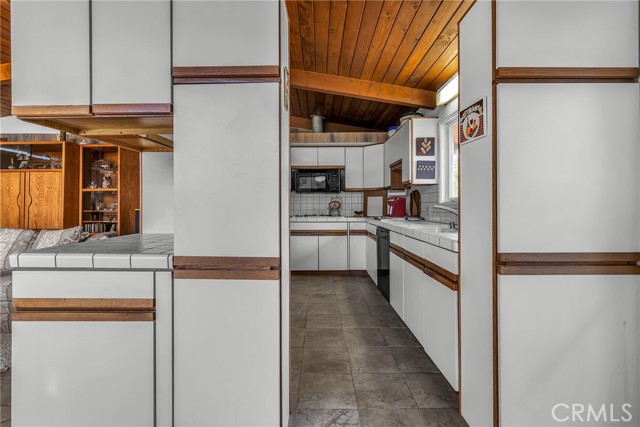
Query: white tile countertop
pixel 433 233
pixel 132 252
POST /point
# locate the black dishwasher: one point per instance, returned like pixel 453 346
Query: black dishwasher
pixel 383 261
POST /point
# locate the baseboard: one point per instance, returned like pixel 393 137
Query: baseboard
pixel 359 273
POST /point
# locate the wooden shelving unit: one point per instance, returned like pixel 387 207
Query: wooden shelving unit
pixel 43 194
pixel 109 188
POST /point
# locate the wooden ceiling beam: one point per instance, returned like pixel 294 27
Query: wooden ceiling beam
pixel 363 89
pixel 304 123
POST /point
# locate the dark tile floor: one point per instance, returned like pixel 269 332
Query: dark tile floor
pixel 5 399
pixel 355 363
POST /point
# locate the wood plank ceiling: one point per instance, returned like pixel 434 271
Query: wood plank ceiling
pixel 408 43
pixel 5 57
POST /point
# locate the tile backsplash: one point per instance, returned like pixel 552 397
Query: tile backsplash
pixel 318 203
pixel 429 196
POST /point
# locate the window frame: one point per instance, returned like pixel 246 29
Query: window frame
pixel 446 159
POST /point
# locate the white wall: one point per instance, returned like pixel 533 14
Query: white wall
pixel 476 252
pixel 11 124
pixel 157 192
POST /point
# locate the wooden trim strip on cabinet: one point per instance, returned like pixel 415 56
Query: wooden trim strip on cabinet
pixel 395 164
pixel 441 279
pixel 229 268
pixel 132 109
pixel 51 110
pixel 393 249
pixel 225 263
pixel 599 258
pixel 83 304
pixel 79 316
pixel 578 270
pixel 226 74
pixel 566 75
pixel 228 274
pixel 372 236
pixel 362 189
pixel 319 233
pixel 357 232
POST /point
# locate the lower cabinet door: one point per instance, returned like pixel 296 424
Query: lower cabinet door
pixel 226 352
pixel 333 252
pixel 413 300
pixel 304 252
pixel 396 284
pixel 372 259
pixel 85 373
pixel 358 252
pixel 440 327
pixel 43 200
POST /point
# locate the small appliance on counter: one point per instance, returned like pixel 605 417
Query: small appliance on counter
pixel 334 207
pixel 397 206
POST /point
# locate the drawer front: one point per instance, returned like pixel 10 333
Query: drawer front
pixel 371 228
pixel 83 284
pixel 357 226
pixel 396 238
pixel 414 246
pixel 442 257
pixel 318 226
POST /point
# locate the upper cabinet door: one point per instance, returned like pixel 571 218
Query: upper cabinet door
pixel 354 167
pixel 50 52
pixel 330 156
pixel 243 33
pixel 131 48
pixel 304 156
pixel 374 166
pixel 579 34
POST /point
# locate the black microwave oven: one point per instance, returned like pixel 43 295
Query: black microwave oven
pixel 317 180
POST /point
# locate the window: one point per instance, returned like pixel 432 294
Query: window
pixel 449 152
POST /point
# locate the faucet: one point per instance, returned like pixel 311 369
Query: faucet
pixel 453 225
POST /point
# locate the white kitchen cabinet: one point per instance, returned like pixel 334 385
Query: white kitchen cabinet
pixel 374 166
pixel 304 252
pixel 406 147
pixel 372 259
pixel 595 178
pixel 354 167
pixel 226 22
pixel 358 252
pixel 440 327
pixel 414 280
pixel 393 152
pixel 332 252
pixel 83 373
pixel 131 48
pixel 201 109
pixel 331 156
pixel 304 156
pixel 42 34
pixel 396 284
pixel 589 320
pixel 208 389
